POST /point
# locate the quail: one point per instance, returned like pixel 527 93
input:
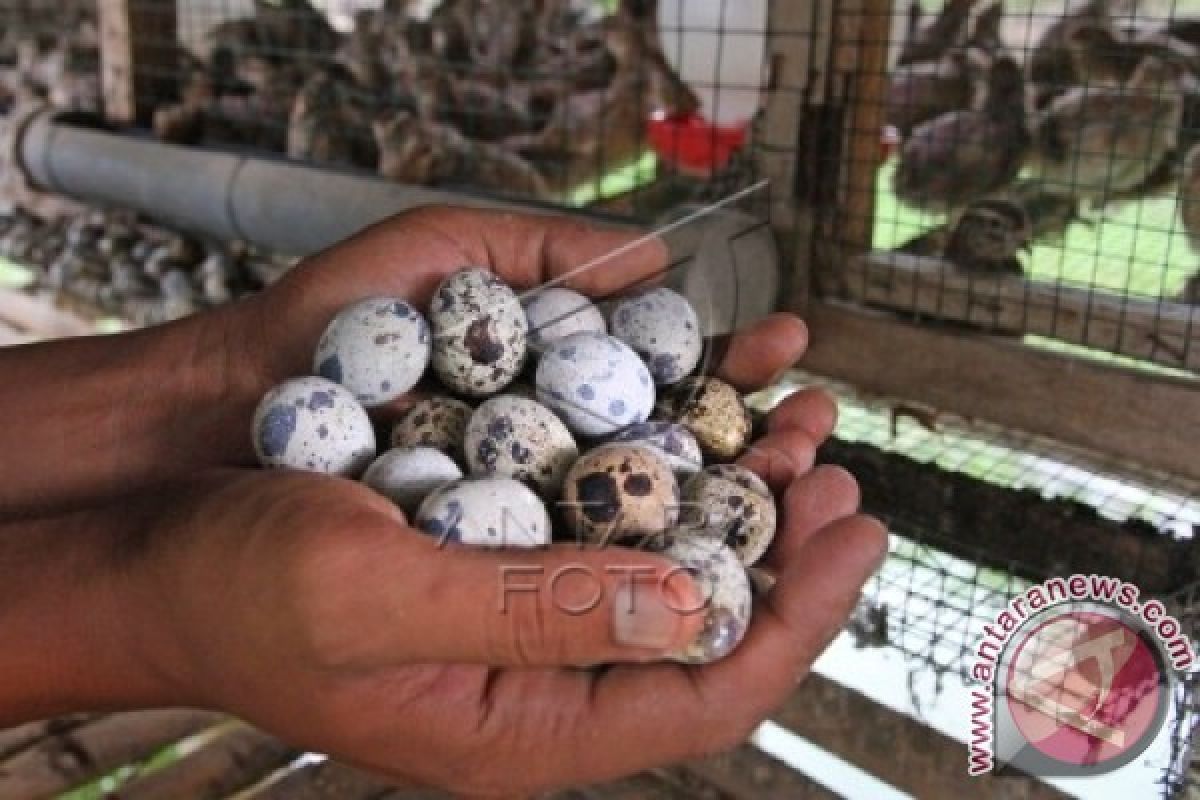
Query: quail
pixel 932 41
pixel 957 157
pixel 326 127
pixel 1097 143
pixel 1051 65
pixel 414 150
pixel 986 236
pixel 597 130
pixel 924 90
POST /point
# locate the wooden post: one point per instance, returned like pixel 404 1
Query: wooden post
pixel 139 57
pixel 799 36
pixel 860 59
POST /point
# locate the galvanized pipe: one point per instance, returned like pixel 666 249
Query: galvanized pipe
pixel 296 209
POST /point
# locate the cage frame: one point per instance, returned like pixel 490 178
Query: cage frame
pixel 967 372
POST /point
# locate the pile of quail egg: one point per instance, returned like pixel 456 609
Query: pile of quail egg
pixel 540 419
pixel 103 262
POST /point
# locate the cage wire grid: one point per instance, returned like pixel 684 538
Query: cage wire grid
pixel 540 98
pixel 1035 173
pixel 935 592
pixel 1038 230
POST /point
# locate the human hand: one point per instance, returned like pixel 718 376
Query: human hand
pixel 307 606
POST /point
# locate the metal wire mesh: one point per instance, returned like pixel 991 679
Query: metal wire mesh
pixel 952 569
pixel 1039 171
pixel 559 100
pixel 1036 180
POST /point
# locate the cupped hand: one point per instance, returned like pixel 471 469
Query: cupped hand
pixel 308 606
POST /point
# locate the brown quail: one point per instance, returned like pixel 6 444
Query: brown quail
pixel 957 157
pixel 987 235
pixel 1097 143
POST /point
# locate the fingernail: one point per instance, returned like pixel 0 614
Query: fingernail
pixel 651 615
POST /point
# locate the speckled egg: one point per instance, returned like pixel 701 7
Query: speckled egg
pixel 314 425
pixel 620 492
pixel 596 383
pixel 662 327
pixel 479 333
pixel 407 475
pixel 676 442
pixel 515 437
pixel 715 414
pixel 486 512
pixel 732 502
pixel 556 313
pixel 377 348
pixel 437 422
pixel 723 583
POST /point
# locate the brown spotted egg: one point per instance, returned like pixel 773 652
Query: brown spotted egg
pixel 726 590
pixel 479 333
pixel 516 437
pixel 733 503
pixel 662 327
pixel 437 422
pixel 715 414
pixel 377 348
pixel 313 425
pixel 620 492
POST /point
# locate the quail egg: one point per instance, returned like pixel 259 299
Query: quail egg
pixel 515 437
pixel 314 425
pixel 620 492
pixel 377 348
pixel 479 333
pixel 486 512
pixel 726 589
pixel 676 442
pixel 595 383
pixel 662 327
pixel 733 503
pixel 556 313
pixel 437 422
pixel 407 475
pixel 715 414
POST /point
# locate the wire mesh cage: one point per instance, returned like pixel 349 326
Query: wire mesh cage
pixel 979 515
pixel 1023 169
pixel 1037 174
pixel 551 99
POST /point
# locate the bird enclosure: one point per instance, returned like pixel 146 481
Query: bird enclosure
pixel 989 213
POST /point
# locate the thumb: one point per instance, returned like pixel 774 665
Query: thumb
pixel 564 606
